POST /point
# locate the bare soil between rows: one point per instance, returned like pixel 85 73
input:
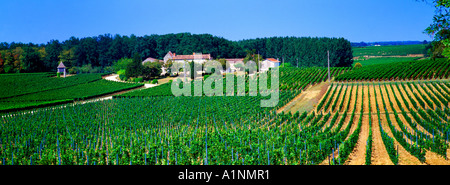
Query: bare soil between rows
pixel 306 100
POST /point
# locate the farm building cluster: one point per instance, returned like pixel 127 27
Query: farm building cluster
pixel 202 58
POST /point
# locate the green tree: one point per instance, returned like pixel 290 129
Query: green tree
pixel 135 68
pixel 358 65
pixel 87 51
pixel 86 68
pixel 439 29
pixel 1 62
pixel 32 61
pixel 53 50
pixel 8 62
pixel 17 58
pixel 68 57
pixel 121 64
pixel 104 56
pixel 193 70
pixel 223 63
pixel 286 65
pixel 152 69
pixel 240 66
pixel 168 64
pixel 253 56
pixel 308 51
pixel 118 48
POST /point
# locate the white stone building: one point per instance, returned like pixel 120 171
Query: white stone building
pixel 269 63
pixel 232 62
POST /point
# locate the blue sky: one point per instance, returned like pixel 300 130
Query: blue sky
pixel 39 21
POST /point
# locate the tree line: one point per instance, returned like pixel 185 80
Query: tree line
pixel 439 29
pixel 98 53
pixel 303 51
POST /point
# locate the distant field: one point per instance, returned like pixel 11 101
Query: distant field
pixel 408 70
pixel 384 60
pixel 402 50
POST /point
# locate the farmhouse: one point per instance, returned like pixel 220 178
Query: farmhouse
pixel 202 58
pixel 196 57
pixel 268 63
pixel 232 62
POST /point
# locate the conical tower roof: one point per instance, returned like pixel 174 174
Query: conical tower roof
pixel 61 65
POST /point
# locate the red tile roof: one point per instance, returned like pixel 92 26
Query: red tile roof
pixel 234 60
pixel 190 57
pixel 273 60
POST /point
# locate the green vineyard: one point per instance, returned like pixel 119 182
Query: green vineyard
pixel 393 112
pixel 357 120
pixel 409 70
pixel 25 91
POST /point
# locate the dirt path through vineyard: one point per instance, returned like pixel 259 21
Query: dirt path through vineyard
pixel 353 126
pixel 306 100
pixel 358 155
pixel 333 98
pixel 347 98
pixel 423 95
pixel 114 78
pixel 379 152
pixel 408 90
pixel 439 93
pixel 404 157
